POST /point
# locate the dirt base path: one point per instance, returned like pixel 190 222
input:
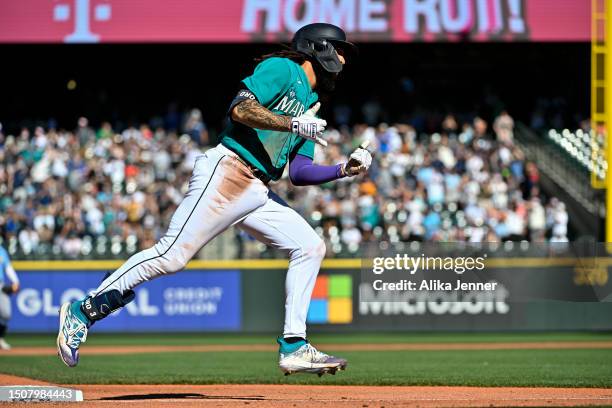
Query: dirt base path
pixel 91 350
pixel 277 396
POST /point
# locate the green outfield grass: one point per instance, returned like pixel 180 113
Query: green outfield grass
pixel 570 368
pixel 101 339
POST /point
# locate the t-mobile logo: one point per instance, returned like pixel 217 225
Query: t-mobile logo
pixel 82 13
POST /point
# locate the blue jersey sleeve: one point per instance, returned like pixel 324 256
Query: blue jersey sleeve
pixel 4 263
pixel 4 257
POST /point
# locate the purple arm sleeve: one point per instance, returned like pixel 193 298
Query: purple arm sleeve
pixel 303 172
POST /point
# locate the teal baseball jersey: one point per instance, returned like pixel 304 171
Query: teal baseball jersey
pixel 281 86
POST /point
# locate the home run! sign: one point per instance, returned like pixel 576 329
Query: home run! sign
pixel 90 21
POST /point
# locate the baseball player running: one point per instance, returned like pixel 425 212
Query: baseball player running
pixel 9 284
pixel 273 122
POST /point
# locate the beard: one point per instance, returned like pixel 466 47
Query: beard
pixel 326 81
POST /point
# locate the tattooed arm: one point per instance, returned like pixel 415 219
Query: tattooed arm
pixel 250 113
pixel 247 110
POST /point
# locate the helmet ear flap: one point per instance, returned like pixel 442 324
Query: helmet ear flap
pixel 322 51
pixel 328 57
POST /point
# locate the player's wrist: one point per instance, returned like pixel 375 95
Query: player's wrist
pixel 294 125
pixel 340 170
pixel 343 170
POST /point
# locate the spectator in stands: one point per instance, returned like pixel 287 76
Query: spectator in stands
pixel 84 133
pixel 503 125
pixel 480 127
pixel 537 220
pixel 196 128
pixel 557 220
pixel 84 191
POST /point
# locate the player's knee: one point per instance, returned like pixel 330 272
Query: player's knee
pixel 173 265
pixel 178 256
pixel 172 262
pixel 316 250
pixel 5 316
pixel 321 248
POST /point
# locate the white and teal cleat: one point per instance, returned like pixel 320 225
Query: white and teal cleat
pixel 72 332
pixel 302 357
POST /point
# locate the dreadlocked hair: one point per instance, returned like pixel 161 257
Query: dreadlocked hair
pixel 294 56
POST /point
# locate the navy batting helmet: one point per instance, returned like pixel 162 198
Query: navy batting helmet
pixel 320 41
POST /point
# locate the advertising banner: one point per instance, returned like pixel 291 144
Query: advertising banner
pixel 194 300
pixel 487 286
pixel 517 290
pixel 145 21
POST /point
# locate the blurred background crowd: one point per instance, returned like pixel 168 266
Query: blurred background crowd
pixel 109 192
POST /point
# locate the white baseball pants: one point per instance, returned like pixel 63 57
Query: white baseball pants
pixel 5 309
pixel 223 192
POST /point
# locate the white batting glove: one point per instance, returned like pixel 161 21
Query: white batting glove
pixel 309 126
pixel 359 161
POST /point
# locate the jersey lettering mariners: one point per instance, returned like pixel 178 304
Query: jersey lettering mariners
pixel 281 86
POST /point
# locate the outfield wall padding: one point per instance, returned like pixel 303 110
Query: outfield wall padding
pixel 249 297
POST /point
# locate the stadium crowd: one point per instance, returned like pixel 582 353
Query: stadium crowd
pixel 74 192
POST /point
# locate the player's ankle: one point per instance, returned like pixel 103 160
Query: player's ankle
pixel 77 311
pixel 97 307
pixel 293 339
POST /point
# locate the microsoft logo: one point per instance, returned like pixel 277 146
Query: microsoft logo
pixel 332 300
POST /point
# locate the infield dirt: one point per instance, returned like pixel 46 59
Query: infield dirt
pixel 273 396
